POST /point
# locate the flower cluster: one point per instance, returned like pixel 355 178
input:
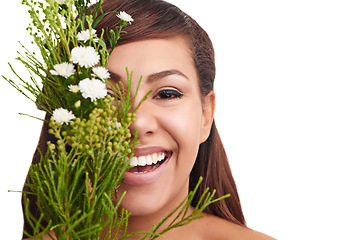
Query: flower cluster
pixel 86 57
pixel 93 86
pixel 82 66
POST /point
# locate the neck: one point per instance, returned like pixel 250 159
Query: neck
pixel 142 224
pixel 145 222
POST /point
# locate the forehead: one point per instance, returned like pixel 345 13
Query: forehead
pixel 150 56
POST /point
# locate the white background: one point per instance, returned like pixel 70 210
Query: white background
pixel 288 103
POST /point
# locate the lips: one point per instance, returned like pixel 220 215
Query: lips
pixel 147 165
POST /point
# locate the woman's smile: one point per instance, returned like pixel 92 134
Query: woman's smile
pixel 147 164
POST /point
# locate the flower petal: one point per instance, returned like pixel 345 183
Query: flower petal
pixel 85 56
pixel 92 88
pixel 62 115
pixel 124 16
pixel 63 69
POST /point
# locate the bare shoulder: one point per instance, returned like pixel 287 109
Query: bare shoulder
pixel 217 228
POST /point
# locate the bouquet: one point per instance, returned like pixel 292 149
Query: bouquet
pixel 78 176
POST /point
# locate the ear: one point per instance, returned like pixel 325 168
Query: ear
pixel 207 115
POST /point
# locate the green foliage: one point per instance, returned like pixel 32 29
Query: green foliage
pixel 76 179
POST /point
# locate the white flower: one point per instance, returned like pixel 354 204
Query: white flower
pixel 101 72
pixel 86 35
pixel 93 89
pixel 126 17
pixel 63 69
pixel 74 88
pixel 62 115
pixel 84 56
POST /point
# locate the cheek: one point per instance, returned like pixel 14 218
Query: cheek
pixel 184 126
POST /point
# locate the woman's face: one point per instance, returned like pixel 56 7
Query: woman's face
pixel 170 124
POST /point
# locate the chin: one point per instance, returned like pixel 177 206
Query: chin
pixel 158 197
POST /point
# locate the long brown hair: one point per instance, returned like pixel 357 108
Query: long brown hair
pixel 160 19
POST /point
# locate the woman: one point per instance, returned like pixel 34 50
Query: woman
pixel 175 125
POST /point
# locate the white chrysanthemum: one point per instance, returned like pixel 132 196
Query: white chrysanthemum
pixel 74 88
pixel 85 56
pixel 63 69
pixel 101 72
pixel 62 115
pixel 86 35
pixel 93 89
pixel 126 17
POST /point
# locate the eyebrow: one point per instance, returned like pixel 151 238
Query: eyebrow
pixel 114 77
pixel 152 77
pixel 159 75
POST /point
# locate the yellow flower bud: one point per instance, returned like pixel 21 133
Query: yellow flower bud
pixel 77 104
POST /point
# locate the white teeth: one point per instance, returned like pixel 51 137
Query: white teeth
pixel 141 161
pixel 133 161
pixel 147 160
pixel 161 157
pixel 154 158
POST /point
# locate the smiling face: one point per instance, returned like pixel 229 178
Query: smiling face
pixel 171 123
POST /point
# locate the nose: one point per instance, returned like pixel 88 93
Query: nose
pixel 146 122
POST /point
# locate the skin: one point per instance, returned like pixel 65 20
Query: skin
pixel 172 122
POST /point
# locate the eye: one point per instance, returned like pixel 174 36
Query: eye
pixel 111 94
pixel 168 94
pixel 114 95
